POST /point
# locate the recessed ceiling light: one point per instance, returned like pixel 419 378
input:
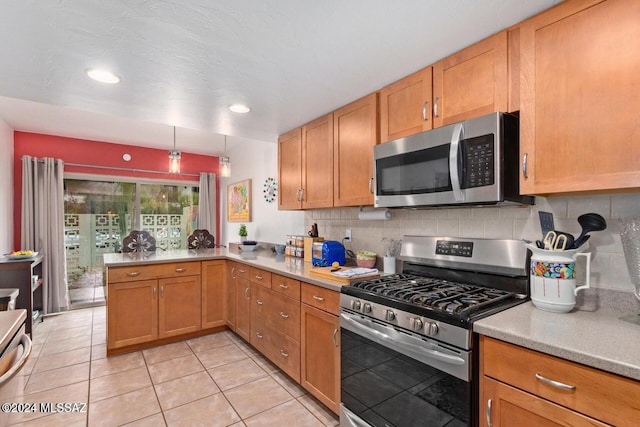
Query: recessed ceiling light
pixel 103 76
pixel 239 108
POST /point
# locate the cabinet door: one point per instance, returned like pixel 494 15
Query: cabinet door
pixel 230 295
pixel 471 82
pixel 405 106
pixel 290 170
pixel 355 134
pixel 132 313
pixel 320 355
pixel 214 304
pixel 178 310
pixel 579 97
pixel 317 163
pixel 243 308
pixel 503 406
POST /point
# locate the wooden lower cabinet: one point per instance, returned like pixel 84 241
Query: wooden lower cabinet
pixel 320 355
pixel 230 294
pixel 243 307
pixel 132 313
pixel 214 303
pixel 516 390
pixel 178 310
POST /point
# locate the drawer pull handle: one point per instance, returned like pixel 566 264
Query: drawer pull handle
pixel 133 274
pixel 259 302
pixel 335 334
pixel 180 270
pixel 284 286
pixel 317 298
pixel 259 335
pixel 258 277
pixel 284 315
pixel 162 291
pixel 154 293
pixel 246 293
pixel 284 353
pixel 241 270
pixel 555 383
pixel 488 413
pixel 233 270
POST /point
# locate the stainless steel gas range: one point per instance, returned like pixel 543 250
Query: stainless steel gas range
pixel 408 352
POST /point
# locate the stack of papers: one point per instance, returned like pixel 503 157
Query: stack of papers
pixel 355 272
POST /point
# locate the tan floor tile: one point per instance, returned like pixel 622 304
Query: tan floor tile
pixel 120 383
pixel 211 411
pixel 244 346
pixel 47 380
pixel 98 351
pixel 283 414
pixel 257 396
pixel 124 408
pixel 237 373
pixel 114 364
pixel 31 363
pixel 166 352
pixel 155 420
pixel 71 322
pixel 99 338
pixel 320 411
pixel 66 345
pixel 238 424
pixel 174 368
pixel 62 419
pixel 291 386
pixel 73 393
pixel 265 364
pixel 209 342
pixel 65 334
pixel 221 356
pixel 59 360
pixel 186 389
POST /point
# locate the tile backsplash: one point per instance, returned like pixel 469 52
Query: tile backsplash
pixel 608 267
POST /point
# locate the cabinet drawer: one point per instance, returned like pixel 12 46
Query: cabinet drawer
pixel 282 350
pixel 601 395
pixel 152 271
pixel 286 286
pixel 260 277
pixel 274 311
pixel 242 271
pixel 322 298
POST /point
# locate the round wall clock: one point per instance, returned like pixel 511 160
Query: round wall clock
pixel 270 191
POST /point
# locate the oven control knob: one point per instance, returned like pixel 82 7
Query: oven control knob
pixel 366 308
pixel 390 315
pixel 432 329
pixel 355 305
pixel 416 324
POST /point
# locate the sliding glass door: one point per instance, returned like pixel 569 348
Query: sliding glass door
pixel 99 214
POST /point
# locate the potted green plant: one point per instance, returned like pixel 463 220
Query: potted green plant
pixel 243 232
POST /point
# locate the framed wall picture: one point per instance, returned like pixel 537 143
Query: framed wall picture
pixel 239 201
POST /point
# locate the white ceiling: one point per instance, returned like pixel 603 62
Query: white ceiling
pixel 182 62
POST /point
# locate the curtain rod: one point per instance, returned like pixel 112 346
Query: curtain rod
pixel 126 169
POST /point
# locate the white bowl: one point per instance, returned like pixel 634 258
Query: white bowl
pixel 248 248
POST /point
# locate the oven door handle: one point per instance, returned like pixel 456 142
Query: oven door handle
pixel 381 334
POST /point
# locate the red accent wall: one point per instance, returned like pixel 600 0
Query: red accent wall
pixel 96 153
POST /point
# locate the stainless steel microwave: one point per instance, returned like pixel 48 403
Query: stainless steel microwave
pixel 472 162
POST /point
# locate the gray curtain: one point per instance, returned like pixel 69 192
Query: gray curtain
pixel 43 226
pixel 207 203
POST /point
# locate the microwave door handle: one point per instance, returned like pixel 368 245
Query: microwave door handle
pixel 453 162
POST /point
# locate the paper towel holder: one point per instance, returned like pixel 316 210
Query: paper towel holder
pixel 374 214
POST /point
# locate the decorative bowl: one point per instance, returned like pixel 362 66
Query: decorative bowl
pixel 366 259
pixel 280 249
pixel 248 248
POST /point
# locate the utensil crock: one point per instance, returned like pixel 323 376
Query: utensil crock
pixel 553 278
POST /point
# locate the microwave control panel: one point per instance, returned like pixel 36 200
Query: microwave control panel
pixel 479 159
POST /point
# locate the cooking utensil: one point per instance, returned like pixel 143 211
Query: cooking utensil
pixel 555 242
pixel 314 230
pixel 546 222
pixel 589 222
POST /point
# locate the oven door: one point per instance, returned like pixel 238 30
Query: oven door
pixel 392 377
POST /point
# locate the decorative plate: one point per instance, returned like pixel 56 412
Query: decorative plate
pixel 270 191
pixel 18 256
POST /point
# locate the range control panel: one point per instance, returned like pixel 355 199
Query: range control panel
pixel 448 247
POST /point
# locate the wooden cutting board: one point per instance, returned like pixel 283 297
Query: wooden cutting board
pixel 325 273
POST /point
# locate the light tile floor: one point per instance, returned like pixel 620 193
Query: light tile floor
pixel 214 380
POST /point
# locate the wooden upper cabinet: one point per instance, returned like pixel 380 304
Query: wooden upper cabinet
pixel 317 163
pixel 290 169
pixel 471 82
pixel 405 106
pixel 355 132
pixel 579 97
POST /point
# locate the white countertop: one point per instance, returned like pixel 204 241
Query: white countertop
pixel 593 334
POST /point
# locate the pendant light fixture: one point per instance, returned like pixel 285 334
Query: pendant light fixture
pixel 225 162
pixel 174 156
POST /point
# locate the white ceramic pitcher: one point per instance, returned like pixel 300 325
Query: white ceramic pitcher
pixel 553 278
